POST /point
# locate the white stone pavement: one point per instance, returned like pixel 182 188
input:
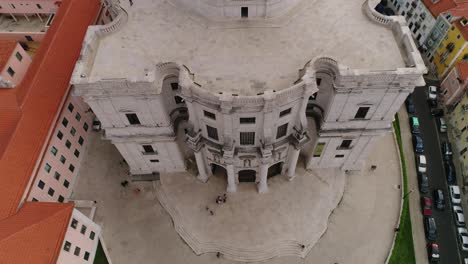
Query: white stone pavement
pixel 138 230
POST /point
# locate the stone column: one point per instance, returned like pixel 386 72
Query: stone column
pixel 231 178
pixel 262 184
pixel 202 175
pixel 293 163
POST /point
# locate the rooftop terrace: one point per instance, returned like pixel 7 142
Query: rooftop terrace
pixel 245 57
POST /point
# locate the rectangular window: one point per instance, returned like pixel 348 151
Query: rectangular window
pixel 345 144
pixel 62 159
pixel 66 183
pixel 318 81
pixel 174 86
pixel 362 112
pixel 212 132
pixel 65 122
pixel 92 235
pixel 47 167
pixel 77 251
pixel 209 115
pixel 74 223
pixel 68 144
pixel 11 71
pixel 67 246
pixel 57 176
pixel 85 127
pixel 339 156
pixel 133 119
pixel 282 131
pixel 54 151
pixel 76 153
pixel 28 38
pixel 86 255
pixel 71 168
pixel 41 185
pixel 244 11
pixel 178 99
pixel 247 138
pixel 319 149
pixel 71 107
pixel 61 199
pixel 78 116
pixel 73 131
pixel 83 229
pixel 51 192
pixel 247 120
pixel 39 6
pixel 80 141
pixel 148 149
pixel 34 199
pixel 285 112
pixel 60 135
pixel 19 56
pixel 154 160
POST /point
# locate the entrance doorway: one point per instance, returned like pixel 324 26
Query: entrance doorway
pixel 218 171
pixel 244 11
pixel 275 169
pixel 247 175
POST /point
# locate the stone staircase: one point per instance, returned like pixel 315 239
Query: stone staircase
pixel 268 250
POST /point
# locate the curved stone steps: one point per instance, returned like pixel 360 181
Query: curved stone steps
pixel 260 253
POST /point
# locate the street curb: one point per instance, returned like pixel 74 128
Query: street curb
pixel 390 253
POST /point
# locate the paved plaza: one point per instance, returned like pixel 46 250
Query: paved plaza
pixel 137 229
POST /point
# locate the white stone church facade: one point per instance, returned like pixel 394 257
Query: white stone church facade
pixel 179 90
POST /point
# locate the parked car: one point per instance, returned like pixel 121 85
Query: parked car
pixel 423 181
pixel 439 199
pixel 447 150
pixel 450 172
pixel 459 216
pixel 418 144
pixel 414 124
pixel 421 163
pixel 455 194
pixel 441 124
pixel 463 238
pixel 410 104
pixel 426 206
pixel 430 228
pixel 437 112
pixel 433 252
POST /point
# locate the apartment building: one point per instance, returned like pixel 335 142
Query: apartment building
pixel 14 62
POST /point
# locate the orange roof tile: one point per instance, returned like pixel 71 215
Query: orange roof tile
pixel 40 97
pixel 462 67
pixel 439 7
pixel 35 234
pixel 6 49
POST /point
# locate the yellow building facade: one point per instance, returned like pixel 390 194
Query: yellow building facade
pixel 452 49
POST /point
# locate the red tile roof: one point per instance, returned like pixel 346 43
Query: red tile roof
pixel 40 96
pixel 439 7
pixel 6 49
pixel 35 234
pixel 462 67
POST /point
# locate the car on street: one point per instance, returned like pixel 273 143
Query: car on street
pixel 463 238
pixel 447 150
pixel 433 252
pixel 459 216
pixel 432 96
pixel 450 172
pixel 423 181
pixel 418 144
pixel 437 112
pixel 439 199
pixel 414 124
pixel 441 124
pixel 426 206
pixel 430 228
pixel 455 194
pixel 410 104
pixel 421 163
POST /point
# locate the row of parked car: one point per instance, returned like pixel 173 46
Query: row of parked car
pixel 438 195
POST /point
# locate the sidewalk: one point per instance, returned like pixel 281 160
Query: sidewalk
pixel 419 239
